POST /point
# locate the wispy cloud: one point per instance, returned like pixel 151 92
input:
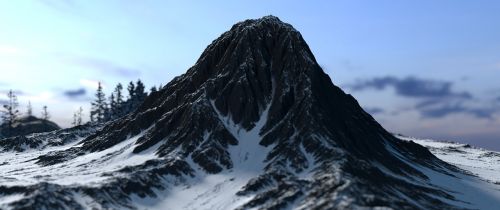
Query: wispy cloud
pixel 16 92
pixel 38 97
pixel 105 66
pixel 92 84
pixel 60 5
pixel 350 66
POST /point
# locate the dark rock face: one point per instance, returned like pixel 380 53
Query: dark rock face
pixel 29 125
pixel 263 69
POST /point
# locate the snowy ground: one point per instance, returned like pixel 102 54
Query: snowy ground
pixel 217 191
pixel 481 191
pixel 20 168
pixel 478 161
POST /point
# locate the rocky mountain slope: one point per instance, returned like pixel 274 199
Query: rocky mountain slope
pixel 255 123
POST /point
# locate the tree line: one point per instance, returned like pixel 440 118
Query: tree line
pixel 10 113
pixel 103 109
pixel 117 105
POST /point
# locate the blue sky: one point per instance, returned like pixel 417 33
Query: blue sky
pixel 424 68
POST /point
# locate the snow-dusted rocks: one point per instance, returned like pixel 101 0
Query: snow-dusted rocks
pixel 254 124
pixel 479 191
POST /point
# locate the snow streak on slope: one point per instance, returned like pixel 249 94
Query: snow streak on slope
pixel 218 191
pixel 481 192
pixel 20 169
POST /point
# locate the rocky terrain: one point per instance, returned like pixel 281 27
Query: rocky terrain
pixel 254 124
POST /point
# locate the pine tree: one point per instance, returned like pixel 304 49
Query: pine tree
pixel 153 89
pixel 118 93
pixel 131 90
pixel 140 94
pixel 79 116
pixel 29 111
pixel 99 106
pixel 112 107
pixel 45 113
pixel 74 119
pixel 128 106
pixel 11 114
pixel 118 106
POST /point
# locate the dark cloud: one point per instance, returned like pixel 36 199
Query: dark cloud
pixel 108 67
pixel 374 110
pixel 75 93
pixel 444 110
pixel 436 108
pixel 436 99
pixel 3 102
pixel 412 87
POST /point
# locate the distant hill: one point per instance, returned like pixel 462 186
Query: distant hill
pixel 28 125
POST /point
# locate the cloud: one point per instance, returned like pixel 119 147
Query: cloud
pixel 435 98
pixel 40 97
pixel 411 87
pixel 444 110
pixel 374 110
pixel 104 66
pixel 3 102
pixel 16 92
pixel 75 93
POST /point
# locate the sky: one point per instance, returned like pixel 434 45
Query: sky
pixel 422 68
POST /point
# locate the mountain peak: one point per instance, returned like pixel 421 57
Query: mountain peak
pixel 257 110
pixel 269 21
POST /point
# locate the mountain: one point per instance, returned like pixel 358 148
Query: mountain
pixel 28 125
pixel 254 124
